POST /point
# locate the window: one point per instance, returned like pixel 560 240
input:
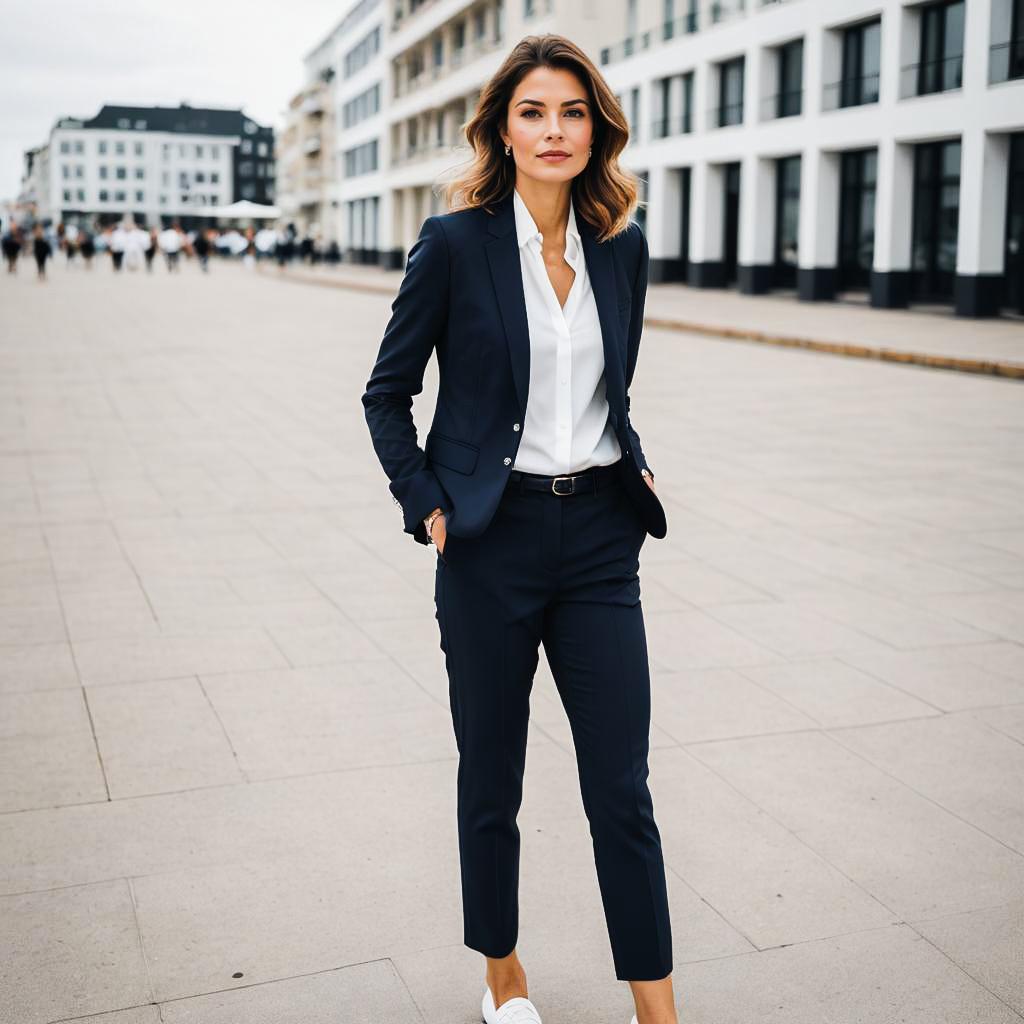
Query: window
pixel 438 52
pixel 674 96
pixel 140 148
pixel 79 146
pixel 167 151
pixel 103 195
pixel 861 57
pixel 214 178
pixel 942 49
pixel 215 152
pixel 250 128
pixel 787 219
pixel 79 170
pixel 65 147
pixel 480 23
pixel 730 92
pixel 101 147
pixel 140 126
pixel 140 172
pixel 80 195
pixel 935 218
pixel 672 27
pixel 67 195
pixel 789 101
pixel 138 195
pixel 103 171
pixel 858 179
pixel 261 149
pixel 121 173
pixel 119 148
pixel 124 122
pixel 65 171
pixel 199 152
pixel 634 114
pixel 245 146
pixel 245 169
pixel 119 197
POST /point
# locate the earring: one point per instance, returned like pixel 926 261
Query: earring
pixel 508 149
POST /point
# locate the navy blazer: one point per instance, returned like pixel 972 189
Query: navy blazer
pixel 462 294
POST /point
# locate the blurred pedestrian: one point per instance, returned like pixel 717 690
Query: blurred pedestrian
pixel 87 247
pixel 42 250
pixel 135 245
pixel 11 244
pixel 201 247
pixel 171 240
pixel 118 241
pixel 151 249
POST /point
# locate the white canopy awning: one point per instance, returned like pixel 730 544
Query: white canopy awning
pixel 243 210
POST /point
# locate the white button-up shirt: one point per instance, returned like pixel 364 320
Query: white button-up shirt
pixel 566 428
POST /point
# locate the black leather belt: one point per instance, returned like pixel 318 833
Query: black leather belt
pixel 587 481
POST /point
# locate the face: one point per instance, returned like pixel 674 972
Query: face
pixel 549 112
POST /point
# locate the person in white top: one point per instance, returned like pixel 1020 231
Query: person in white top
pixel 171 240
pixel 566 428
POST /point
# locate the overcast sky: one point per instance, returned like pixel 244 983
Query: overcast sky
pixel 66 58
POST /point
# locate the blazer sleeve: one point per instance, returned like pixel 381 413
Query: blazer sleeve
pixel 636 324
pixel 419 314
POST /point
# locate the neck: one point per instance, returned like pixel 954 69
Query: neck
pixel 548 203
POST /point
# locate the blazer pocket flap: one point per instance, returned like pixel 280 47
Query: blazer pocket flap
pixel 447 451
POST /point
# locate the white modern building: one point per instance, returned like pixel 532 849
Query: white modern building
pixel 408 74
pixel 828 146
pixel 153 164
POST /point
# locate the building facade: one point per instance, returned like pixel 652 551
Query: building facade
pixel 155 165
pixel 408 74
pixel 830 146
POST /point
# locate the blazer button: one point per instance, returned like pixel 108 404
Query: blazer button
pixel 508 461
pixel 515 426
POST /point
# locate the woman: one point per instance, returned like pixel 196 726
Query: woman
pixel 534 488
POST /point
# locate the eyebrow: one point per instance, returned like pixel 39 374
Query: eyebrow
pixel 540 103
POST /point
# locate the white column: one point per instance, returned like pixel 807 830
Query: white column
pixel 893 213
pixel 819 223
pixel 706 200
pixel 757 212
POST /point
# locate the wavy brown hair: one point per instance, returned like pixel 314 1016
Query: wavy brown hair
pixel 603 192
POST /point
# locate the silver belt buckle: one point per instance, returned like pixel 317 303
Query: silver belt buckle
pixel 554 489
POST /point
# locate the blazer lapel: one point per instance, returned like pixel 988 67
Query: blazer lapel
pixel 507 274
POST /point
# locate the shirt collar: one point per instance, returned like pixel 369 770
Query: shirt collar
pixel 527 230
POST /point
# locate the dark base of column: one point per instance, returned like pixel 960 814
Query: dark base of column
pixel 817 284
pixel 710 274
pixel 391 259
pixel 755 279
pixel 890 289
pixel 663 270
pixel 977 294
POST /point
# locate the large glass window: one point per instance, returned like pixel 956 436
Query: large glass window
pixel 789 101
pixel 936 216
pixel 1014 268
pixel 730 92
pixel 787 219
pixel 942 47
pixel 858 180
pixel 861 63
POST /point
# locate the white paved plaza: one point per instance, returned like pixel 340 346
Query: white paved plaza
pixel 227 769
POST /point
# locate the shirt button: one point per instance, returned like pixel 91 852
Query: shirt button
pixel 515 426
pixel 508 461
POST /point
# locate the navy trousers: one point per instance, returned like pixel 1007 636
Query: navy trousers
pixel 561 571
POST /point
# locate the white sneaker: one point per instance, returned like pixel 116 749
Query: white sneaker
pixel 517 1010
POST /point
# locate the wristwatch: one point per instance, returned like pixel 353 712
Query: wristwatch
pixel 429 523
pixel 646 472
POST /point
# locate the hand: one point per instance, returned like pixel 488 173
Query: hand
pixel 439 537
pixel 650 482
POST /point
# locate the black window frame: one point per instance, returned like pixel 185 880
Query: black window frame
pixel 938 70
pixel 789 100
pixel 858 87
pixel 730 114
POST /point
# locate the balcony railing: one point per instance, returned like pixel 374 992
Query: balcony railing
pixel 686 25
pixel 932 76
pixel 1006 61
pixel 676 124
pixel 724 116
pixel 783 104
pixel 850 92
